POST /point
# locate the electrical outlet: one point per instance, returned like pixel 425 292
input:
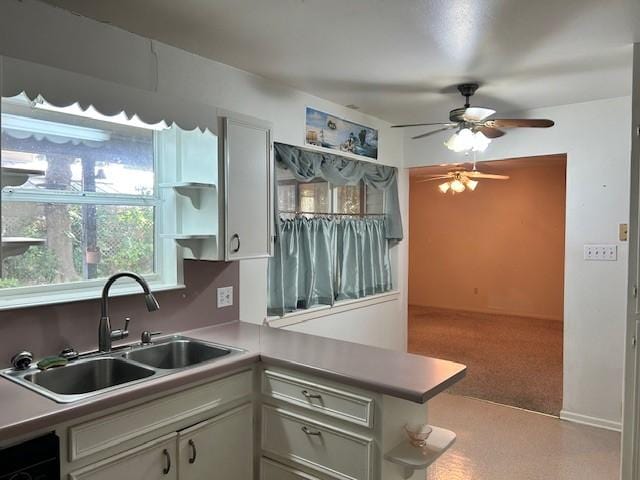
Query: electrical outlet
pixel 607 253
pixel 225 297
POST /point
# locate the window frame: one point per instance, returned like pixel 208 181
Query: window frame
pixel 167 261
pixel 333 194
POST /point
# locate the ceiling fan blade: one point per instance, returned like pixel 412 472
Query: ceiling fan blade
pixel 434 178
pixel 519 122
pixel 439 175
pixel 490 132
pixel 490 176
pixel 477 114
pixel 434 131
pixel 449 124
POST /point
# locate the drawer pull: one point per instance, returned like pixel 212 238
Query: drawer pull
pixel 311 395
pixel 166 469
pixel 308 431
pixel 194 452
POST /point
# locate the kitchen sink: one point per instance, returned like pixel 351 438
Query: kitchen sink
pixel 96 373
pixel 176 352
pixel 89 376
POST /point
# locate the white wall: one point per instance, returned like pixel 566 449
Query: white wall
pixel 36 32
pixel 596 138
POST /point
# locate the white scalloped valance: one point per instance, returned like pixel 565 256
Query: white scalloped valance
pixel 63 89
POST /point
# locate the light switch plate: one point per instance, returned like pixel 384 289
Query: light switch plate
pixel 225 297
pixel 607 253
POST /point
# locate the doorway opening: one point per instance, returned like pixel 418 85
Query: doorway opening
pixel 486 278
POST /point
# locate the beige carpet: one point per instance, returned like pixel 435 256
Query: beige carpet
pixel 510 360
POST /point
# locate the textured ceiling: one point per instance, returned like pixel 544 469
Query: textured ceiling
pixel 398 59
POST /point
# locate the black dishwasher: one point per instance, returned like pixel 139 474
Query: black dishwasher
pixel 37 459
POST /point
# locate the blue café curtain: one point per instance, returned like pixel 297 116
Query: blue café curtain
pixel 319 260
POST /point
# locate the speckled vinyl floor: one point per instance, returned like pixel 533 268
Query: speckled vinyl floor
pixel 496 442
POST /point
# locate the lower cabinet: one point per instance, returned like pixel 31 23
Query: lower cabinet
pixel 221 447
pixel 270 470
pixel 218 448
pixel 155 460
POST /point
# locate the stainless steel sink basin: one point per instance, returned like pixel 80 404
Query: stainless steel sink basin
pixel 97 373
pixel 177 352
pixel 89 376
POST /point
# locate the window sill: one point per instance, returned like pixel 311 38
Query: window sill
pixel 342 306
pixel 77 294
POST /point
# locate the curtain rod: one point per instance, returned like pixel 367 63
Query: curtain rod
pixel 327 214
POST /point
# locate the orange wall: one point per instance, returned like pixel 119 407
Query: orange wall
pixel 499 249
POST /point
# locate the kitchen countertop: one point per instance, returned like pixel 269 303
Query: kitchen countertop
pixel 403 375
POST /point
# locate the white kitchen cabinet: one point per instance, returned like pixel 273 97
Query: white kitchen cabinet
pixel 218 448
pixel 217 189
pixel 155 460
pixel 248 180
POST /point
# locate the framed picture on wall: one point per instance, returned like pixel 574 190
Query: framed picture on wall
pixel 328 131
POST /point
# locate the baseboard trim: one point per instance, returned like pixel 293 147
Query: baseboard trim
pixel 591 421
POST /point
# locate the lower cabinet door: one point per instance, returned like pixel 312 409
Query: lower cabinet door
pixel 270 470
pixel 155 460
pixel 218 448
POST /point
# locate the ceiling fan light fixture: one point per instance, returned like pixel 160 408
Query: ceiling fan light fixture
pixel 480 142
pixel 444 187
pixel 471 184
pixel 465 140
pixel 462 141
pixel 457 186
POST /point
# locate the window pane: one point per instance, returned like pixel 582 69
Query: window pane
pixel 77 153
pixel 314 197
pixel 82 242
pixel 287 197
pixel 348 199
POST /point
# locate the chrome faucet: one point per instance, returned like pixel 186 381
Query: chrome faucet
pixel 105 334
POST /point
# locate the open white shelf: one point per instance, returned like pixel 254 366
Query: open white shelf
pixel 14 177
pixel 190 189
pixel 12 246
pixel 195 243
pixel 411 458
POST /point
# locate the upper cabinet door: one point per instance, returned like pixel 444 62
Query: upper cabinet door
pixel 220 448
pixel 248 166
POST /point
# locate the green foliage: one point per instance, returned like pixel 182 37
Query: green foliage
pixel 125 238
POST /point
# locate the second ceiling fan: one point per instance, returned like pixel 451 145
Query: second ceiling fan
pixel 474 128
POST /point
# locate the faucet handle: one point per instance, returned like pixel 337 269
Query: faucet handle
pixel 145 338
pixel 122 332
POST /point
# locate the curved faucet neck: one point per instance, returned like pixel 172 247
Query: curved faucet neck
pixel 104 309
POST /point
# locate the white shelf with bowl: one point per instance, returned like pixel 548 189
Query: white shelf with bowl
pixel 14 177
pixel 412 458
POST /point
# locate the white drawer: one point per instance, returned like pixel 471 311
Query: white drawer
pixel 104 432
pixel 319 397
pixel 270 470
pixel 329 450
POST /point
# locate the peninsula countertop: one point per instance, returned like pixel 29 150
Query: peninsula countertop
pixel 403 375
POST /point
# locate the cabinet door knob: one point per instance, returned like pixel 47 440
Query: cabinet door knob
pixel 311 395
pixel 167 457
pixel 194 452
pixel 235 236
pixel 308 431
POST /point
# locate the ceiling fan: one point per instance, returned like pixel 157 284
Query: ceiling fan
pixel 474 129
pixel 458 180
